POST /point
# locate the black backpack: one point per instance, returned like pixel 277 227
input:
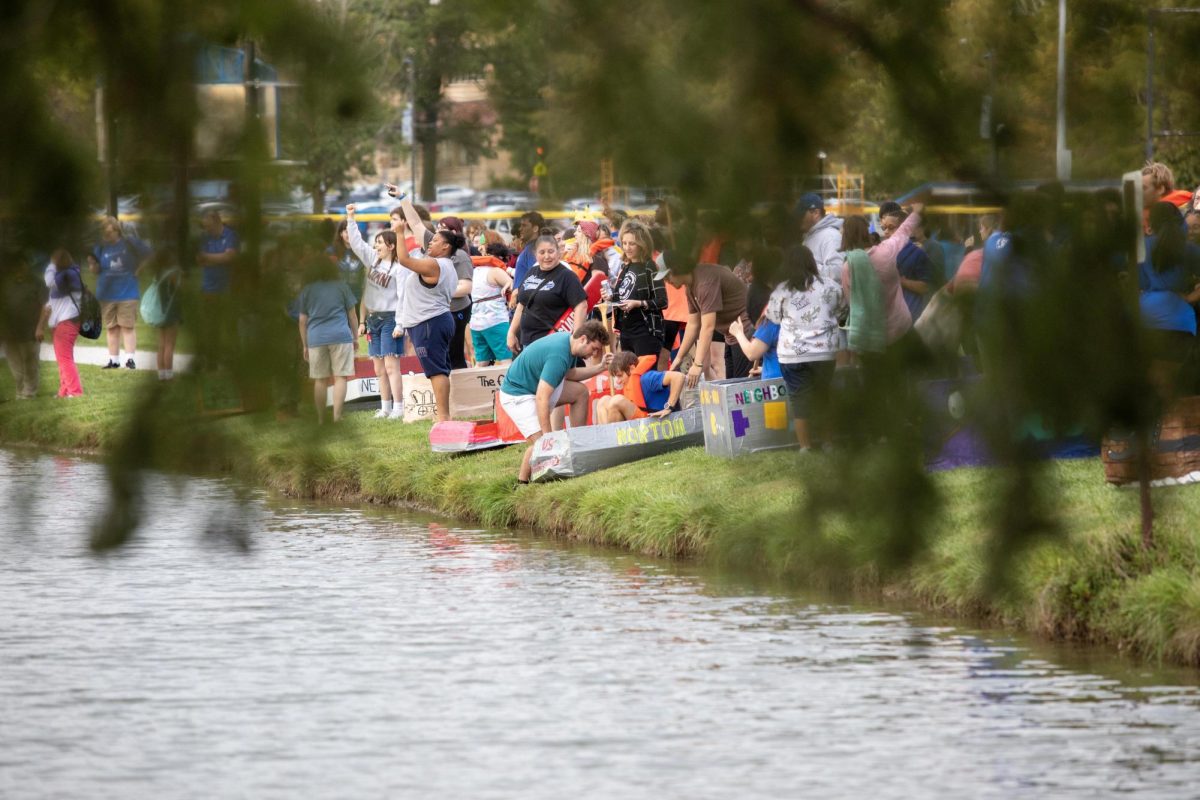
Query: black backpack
pixel 90 324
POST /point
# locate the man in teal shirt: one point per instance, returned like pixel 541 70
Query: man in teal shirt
pixel 543 377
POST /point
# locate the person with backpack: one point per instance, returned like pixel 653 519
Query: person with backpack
pixel 62 313
pixel 160 308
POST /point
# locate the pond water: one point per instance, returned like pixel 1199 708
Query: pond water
pixel 357 652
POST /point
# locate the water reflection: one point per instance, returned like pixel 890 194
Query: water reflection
pixel 357 652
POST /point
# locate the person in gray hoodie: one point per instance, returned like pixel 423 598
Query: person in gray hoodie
pixel 822 234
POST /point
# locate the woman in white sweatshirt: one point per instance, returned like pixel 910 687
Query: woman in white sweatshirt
pixel 381 293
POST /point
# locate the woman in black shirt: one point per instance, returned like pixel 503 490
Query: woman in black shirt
pixel 548 294
pixel 638 299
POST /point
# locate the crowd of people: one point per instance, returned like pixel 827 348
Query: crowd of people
pixel 661 301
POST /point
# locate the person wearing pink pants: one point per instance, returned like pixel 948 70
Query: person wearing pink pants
pixel 65 334
pixel 62 314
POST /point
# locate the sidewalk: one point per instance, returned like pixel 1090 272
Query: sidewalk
pixel 98 356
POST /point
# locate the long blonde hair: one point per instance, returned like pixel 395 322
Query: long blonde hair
pixel 642 234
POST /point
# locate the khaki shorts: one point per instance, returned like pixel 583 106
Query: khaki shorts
pixel 119 314
pixel 331 361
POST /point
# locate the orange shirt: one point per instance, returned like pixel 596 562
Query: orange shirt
pixel 677 304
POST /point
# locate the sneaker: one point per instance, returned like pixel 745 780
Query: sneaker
pixel 397 413
pixel 111 365
pixel 130 365
pixel 381 414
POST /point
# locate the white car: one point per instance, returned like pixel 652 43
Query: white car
pixel 459 195
pixel 503 225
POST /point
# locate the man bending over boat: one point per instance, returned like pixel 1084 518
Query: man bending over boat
pixel 645 391
pixel 543 377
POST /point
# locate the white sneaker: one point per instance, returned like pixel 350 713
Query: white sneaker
pixel 381 414
pixel 397 413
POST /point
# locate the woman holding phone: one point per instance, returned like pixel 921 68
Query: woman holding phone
pixel 377 313
pixel 639 300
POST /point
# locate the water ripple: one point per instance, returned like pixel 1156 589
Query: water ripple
pixel 364 653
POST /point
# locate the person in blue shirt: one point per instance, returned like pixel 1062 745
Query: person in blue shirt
pixel 1169 284
pixel 544 376
pixel 327 324
pixel 529 228
pixel 219 246
pixel 766 337
pixel 117 260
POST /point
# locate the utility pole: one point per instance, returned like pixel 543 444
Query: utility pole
pixel 1062 154
pixel 412 125
pixel 1150 85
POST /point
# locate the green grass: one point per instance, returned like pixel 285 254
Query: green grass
pixel 1089 580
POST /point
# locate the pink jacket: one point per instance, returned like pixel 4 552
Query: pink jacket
pixel 883 259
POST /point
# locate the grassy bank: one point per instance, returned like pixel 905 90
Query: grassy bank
pixel 1089 582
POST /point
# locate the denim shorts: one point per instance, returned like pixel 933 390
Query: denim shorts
pixel 808 383
pixel 431 340
pixel 380 342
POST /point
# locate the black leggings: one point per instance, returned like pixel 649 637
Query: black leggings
pixel 458 342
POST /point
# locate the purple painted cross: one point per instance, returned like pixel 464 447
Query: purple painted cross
pixel 740 423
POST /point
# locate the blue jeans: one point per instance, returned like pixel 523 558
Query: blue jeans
pixel 380 342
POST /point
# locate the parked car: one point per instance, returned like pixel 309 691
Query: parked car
pixel 584 204
pixel 450 193
pixel 503 225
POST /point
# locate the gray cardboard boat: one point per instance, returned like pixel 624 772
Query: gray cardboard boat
pixel 578 451
pixel 745 416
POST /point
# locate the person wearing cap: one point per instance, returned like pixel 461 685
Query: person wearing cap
pixel 460 301
pixel 601 248
pixel 715 299
pixel 822 234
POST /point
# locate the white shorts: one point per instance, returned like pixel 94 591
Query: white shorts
pixel 522 410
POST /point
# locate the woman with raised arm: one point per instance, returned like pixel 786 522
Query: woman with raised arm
pixel 377 313
pixel 424 307
pixel 878 314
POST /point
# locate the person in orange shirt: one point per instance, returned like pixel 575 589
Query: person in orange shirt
pixel 1158 184
pixel 645 391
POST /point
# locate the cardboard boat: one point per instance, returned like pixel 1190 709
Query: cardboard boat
pixel 1175 449
pixel 745 416
pixel 467 436
pixel 578 451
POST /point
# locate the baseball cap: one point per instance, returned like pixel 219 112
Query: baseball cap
pixel 808 202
